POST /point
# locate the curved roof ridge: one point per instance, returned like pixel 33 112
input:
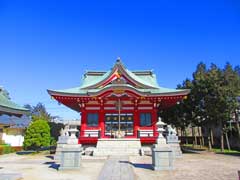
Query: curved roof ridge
pixel 143 72
pixel 95 73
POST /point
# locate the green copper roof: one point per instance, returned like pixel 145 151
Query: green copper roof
pixel 89 80
pixel 149 80
pixel 146 83
pixel 9 107
pixel 79 91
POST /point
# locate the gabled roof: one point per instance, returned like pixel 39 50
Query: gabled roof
pixel 94 82
pixel 142 79
pixel 9 107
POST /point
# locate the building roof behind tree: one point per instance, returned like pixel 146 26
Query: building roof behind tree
pixel 7 106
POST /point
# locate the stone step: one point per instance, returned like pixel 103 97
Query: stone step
pixel 107 147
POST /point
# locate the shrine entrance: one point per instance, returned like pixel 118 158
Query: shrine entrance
pixel 118 125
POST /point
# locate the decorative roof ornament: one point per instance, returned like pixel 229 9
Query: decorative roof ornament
pixel 118 59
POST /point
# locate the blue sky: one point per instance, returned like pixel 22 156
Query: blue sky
pixel 50 44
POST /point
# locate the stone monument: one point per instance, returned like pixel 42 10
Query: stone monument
pixel 162 155
pixel 172 140
pixel 68 152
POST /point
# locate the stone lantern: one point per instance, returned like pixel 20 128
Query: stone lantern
pixel 162 154
pixel 68 152
pixel 160 140
pixel 72 139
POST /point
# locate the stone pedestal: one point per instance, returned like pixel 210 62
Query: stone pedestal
pixel 70 156
pixel 62 141
pixel 111 147
pixel 162 154
pixel 68 152
pixel 174 143
pixel 162 158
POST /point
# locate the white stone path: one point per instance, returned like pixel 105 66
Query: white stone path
pixel 117 168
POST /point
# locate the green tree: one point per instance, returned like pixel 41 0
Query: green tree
pixel 211 103
pixel 37 135
pixel 39 111
pixel 55 129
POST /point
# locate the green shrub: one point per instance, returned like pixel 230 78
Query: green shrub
pixel 6 149
pixel 37 135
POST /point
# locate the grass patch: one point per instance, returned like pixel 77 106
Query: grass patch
pixel 194 147
pixel 226 151
pixel 216 150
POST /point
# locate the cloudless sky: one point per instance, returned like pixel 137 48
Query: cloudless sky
pixel 49 44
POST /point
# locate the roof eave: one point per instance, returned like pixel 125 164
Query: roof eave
pixel 183 92
pixel 12 111
pixel 60 93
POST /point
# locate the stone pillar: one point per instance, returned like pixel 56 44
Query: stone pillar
pixel 162 155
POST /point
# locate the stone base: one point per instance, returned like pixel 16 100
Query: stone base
pixel 162 158
pixel 57 155
pixel 62 142
pixel 70 156
pixel 177 152
pixel 67 140
pixel 111 147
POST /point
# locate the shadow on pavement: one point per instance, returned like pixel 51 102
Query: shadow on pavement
pixel 25 152
pixel 190 151
pixel 139 165
pixel 50 157
pixel 53 165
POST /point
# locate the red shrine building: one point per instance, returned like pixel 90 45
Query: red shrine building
pixel 118 103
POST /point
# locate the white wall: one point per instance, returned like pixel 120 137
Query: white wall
pixel 13 140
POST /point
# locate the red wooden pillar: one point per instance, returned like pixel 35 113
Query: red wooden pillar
pixel 155 119
pixel 101 120
pixel 83 120
pixel 135 119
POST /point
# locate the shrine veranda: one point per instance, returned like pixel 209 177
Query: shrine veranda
pixel 118 103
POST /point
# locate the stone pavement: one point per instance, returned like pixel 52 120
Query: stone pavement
pixel 117 168
pixel 10 176
pixel 192 166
